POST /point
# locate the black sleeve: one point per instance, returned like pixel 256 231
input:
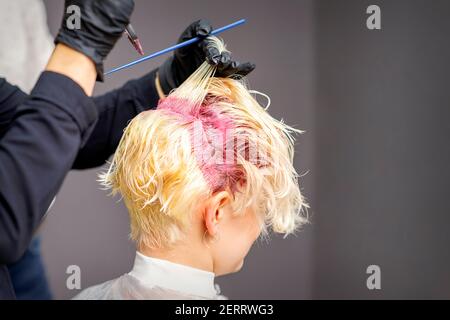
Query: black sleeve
pixel 37 150
pixel 10 98
pixel 116 109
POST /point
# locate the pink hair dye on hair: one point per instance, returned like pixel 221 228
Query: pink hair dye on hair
pixel 212 139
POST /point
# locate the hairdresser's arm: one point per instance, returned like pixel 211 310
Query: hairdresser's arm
pixel 115 110
pixel 40 145
pixel 10 98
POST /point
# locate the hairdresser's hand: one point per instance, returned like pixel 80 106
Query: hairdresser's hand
pixel 187 59
pixel 102 24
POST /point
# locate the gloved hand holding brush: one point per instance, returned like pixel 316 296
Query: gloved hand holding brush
pixel 102 23
pixel 186 60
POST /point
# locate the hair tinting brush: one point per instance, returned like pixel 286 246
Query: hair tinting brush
pixel 172 48
pixel 132 36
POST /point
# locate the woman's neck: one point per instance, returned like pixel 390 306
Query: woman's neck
pixel 195 256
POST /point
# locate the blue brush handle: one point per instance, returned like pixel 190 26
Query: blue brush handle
pixel 177 46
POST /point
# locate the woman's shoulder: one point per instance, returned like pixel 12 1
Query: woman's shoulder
pixel 96 292
pixel 128 287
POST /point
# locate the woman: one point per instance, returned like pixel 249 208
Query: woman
pixel 202 177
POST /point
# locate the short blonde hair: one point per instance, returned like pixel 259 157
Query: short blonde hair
pixel 171 158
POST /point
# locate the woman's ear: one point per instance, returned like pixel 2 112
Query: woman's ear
pixel 214 212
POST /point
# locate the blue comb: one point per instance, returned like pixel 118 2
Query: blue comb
pixel 177 46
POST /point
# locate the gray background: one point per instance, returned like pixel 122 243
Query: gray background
pixel 375 107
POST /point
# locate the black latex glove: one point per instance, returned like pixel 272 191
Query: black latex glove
pixel 186 60
pixel 102 24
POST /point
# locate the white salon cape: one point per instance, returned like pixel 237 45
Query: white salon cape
pixel 156 279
